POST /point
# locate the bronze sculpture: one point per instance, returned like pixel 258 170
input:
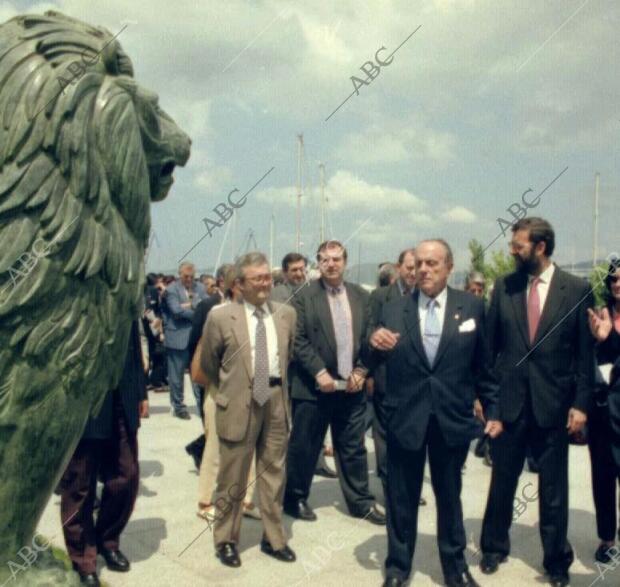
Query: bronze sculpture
pixel 83 151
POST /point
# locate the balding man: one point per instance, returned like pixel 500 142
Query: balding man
pixel 437 360
pixel 180 300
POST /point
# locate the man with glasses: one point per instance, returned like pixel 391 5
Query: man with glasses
pixel 328 387
pixel 246 346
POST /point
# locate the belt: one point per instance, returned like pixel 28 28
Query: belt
pixel 275 381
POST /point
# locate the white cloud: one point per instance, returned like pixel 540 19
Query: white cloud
pixel 458 214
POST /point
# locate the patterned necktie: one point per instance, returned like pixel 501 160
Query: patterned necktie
pixel 432 332
pixel 533 308
pixel 342 330
pixel 260 389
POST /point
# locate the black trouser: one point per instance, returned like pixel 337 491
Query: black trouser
pixel 604 472
pixel 405 474
pixel 344 412
pixel 378 436
pixel 550 450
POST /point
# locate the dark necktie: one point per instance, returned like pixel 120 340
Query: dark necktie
pixel 260 389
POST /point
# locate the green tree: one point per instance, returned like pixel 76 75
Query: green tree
pixel 597 282
pixel 501 263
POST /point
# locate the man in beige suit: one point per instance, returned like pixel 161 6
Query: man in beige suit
pixel 246 348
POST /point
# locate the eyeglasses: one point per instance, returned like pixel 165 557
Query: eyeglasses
pixel 259 279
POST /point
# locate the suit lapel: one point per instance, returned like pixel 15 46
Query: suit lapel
pixel 553 304
pixel 412 325
pixel 321 307
pixel 519 305
pixel 451 320
pixel 240 331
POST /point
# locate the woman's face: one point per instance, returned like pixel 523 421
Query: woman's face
pixel 615 286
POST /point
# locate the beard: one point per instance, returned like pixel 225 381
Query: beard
pixel 527 265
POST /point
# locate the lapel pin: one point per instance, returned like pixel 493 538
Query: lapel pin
pixel 457 316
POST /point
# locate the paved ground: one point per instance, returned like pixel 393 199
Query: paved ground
pixel 334 551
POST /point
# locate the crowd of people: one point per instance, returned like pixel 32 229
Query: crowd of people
pixel 277 361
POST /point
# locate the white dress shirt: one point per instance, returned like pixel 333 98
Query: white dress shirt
pixel 272 337
pixel 543 285
pixel 440 308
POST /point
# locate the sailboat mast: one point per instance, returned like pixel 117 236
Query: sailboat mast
pixel 322 174
pixel 300 148
pixel 595 246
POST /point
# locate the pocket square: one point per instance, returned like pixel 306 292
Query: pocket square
pixel 468 326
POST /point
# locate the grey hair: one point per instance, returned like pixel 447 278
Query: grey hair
pixel 249 259
pixel 474 277
pixel 186 264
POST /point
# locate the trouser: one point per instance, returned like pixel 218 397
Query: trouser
pixel 379 439
pixel 267 436
pixel 605 474
pixel 178 360
pixel 345 413
pixel 405 475
pixel 116 461
pixel 549 448
pixel 207 476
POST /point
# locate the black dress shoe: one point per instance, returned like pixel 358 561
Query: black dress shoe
pixel 374 516
pixel 300 510
pixel 286 554
pixel 602 554
pixel 559 579
pixel 490 562
pixel 462 580
pixel 228 555
pixel 393 582
pixel 90 579
pixel 115 560
pixel 195 449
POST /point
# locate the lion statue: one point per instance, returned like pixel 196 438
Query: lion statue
pixel 83 151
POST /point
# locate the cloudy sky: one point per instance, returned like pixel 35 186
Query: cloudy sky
pixel 489 98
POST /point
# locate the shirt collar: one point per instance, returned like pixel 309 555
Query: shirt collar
pixel 333 290
pixel 402 287
pixel 251 308
pixel 440 298
pixel 545 276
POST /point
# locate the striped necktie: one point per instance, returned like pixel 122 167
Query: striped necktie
pixel 260 388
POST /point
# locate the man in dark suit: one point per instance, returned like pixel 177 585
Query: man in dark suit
pixel 437 361
pixel 403 286
pixel 328 387
pixel 108 449
pixel 543 357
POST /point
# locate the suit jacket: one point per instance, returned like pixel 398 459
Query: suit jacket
pixel 557 370
pixel 282 293
pixel 378 298
pixel 198 322
pixel 178 320
pixel 227 361
pixel 461 371
pixel 131 391
pixel 315 339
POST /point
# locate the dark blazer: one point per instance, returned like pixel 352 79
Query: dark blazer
pixel 378 298
pixel 609 352
pixel 558 368
pixel 198 322
pixel 460 373
pixel 131 391
pixel 315 340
